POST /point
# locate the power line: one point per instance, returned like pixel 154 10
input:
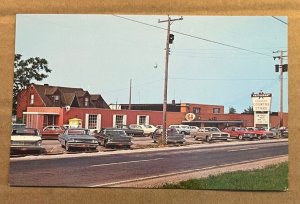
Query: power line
pixel 279 20
pixel 223 79
pixel 192 36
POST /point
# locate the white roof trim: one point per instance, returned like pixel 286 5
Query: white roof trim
pixel 39 113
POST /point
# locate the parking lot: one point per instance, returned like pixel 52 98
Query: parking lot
pixel 52 147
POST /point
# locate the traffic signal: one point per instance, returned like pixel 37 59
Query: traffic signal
pixel 171 38
pixel 276 67
pixel 284 68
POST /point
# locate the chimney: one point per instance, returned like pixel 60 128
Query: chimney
pixel 173 102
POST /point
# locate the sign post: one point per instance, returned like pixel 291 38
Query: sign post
pixel 261 106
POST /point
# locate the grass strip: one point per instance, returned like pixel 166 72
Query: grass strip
pixel 271 178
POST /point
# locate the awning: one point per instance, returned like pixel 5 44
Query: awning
pixel 39 113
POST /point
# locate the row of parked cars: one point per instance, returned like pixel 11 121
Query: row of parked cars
pixel 30 139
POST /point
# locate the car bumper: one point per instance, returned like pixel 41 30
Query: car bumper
pixel 83 145
pixel 176 141
pixel 119 143
pixel 25 148
pixel 219 138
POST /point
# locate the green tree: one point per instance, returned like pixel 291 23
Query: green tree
pixel 25 71
pixel 249 110
pixel 232 110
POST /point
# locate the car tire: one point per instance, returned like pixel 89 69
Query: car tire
pixel 67 147
pixel 240 137
pixel 259 137
pixel 207 139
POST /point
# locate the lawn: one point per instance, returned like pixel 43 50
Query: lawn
pixel 272 178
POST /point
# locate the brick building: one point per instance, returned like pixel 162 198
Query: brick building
pixel 42 105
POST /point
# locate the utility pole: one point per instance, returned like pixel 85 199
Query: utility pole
pixel 169 21
pixel 281 68
pixel 129 107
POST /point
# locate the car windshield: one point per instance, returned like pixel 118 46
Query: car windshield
pixel 77 132
pixel 214 130
pixel 116 132
pixel 172 131
pixel 25 131
pixel 241 129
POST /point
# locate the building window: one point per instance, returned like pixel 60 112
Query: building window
pixel 216 110
pixel 86 101
pixel 92 123
pixel 56 99
pixel 142 120
pixel 31 99
pixel 119 119
pixel 196 110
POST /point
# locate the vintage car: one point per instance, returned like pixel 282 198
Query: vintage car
pixel 109 137
pixel 77 138
pixel 130 131
pixel 261 133
pixel 209 134
pixel 283 132
pixel 173 136
pixel 193 128
pixel 52 132
pixel 148 129
pixel 240 133
pixel 184 129
pixel 16 126
pixel 25 139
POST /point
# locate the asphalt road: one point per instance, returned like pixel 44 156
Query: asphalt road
pixel 103 170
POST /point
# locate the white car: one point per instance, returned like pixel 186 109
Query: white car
pixel 193 128
pixel 182 129
pixel 148 129
pixel 26 139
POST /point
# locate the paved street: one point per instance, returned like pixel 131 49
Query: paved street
pixel 107 169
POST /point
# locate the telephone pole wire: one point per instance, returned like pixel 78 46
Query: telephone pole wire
pixel 164 132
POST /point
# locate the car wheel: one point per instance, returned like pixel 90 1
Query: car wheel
pixel 259 137
pixel 207 139
pixel 67 147
pixel 240 137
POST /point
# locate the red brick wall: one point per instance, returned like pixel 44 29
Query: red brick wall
pixel 205 109
pixel 174 118
pixel 24 100
pixel 155 117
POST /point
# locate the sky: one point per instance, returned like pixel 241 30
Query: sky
pixel 218 60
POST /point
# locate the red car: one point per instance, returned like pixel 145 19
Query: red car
pixel 52 132
pixel 261 133
pixel 240 133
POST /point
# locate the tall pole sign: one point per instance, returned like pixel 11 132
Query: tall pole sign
pixel 261 106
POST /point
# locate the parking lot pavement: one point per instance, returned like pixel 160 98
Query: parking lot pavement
pixel 52 147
